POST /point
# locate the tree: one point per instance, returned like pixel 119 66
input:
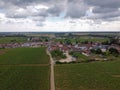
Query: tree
pixel 46 40
pixel 97 51
pixel 114 40
pixel 75 54
pixel 85 42
pixel 71 53
pixel 61 42
pixel 68 41
pixel 57 54
pixel 114 51
pixel 13 41
pixel 93 50
pixel 106 42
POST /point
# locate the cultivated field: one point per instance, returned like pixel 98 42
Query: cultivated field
pixel 24 56
pixel 24 69
pixel 88 76
pixel 24 78
pixel 85 38
pixel 12 39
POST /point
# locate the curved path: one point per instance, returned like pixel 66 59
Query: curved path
pixel 52 83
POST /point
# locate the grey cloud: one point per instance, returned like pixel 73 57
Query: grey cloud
pixel 104 3
pixel 111 15
pixel 103 10
pixel 38 18
pixel 105 16
pixel 58 6
pixel 72 22
pixel 25 2
pixel 40 24
pixel 26 12
pixel 55 10
pixel 76 9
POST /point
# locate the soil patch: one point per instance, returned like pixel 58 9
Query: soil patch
pixel 3 51
pixel 118 76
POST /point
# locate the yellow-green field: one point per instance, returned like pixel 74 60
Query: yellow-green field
pixel 24 69
pixel 12 39
pixel 24 56
pixel 83 39
pixel 88 76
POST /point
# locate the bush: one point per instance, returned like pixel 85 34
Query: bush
pixel 58 62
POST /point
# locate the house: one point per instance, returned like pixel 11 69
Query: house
pixel 53 47
pixel 76 50
pixel 64 48
pixel 104 48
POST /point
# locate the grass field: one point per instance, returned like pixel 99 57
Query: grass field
pixel 88 76
pixel 24 69
pixel 93 39
pixel 10 39
pixel 24 56
pixel 85 38
pixel 24 78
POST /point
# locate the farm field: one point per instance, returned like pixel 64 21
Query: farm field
pixel 24 56
pixel 24 69
pixel 12 39
pixel 85 38
pixel 88 76
pixel 24 78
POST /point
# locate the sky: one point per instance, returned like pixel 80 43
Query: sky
pixel 59 15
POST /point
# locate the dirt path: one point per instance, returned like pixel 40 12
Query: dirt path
pixel 68 59
pixel 52 72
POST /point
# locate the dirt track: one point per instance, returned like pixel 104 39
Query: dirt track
pixel 52 82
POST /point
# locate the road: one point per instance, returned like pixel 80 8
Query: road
pixel 52 82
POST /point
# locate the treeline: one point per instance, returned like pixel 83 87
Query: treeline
pixel 111 51
pixel 18 35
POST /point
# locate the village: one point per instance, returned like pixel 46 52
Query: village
pixel 32 57
pixel 59 44
pixel 91 50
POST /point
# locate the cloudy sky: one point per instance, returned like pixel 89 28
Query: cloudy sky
pixel 59 15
